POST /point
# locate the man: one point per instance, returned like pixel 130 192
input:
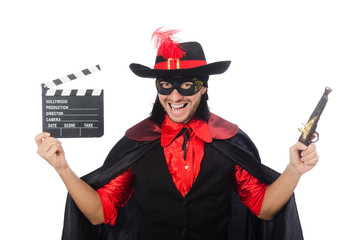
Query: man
pixel 182 173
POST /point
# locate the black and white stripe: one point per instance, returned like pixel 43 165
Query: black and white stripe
pixel 71 77
pixel 73 92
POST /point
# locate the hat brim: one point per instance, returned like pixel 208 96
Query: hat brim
pixel 205 70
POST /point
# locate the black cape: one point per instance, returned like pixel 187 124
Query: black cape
pixel 243 224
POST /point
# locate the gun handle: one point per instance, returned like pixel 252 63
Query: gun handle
pixel 313 139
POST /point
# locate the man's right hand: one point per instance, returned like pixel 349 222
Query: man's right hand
pixel 51 150
pixel 86 198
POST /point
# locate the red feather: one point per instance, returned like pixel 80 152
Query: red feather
pixel 167 45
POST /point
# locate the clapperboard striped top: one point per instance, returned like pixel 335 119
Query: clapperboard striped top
pixel 72 92
pixel 73 113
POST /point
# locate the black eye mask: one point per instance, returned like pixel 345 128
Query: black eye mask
pixel 186 86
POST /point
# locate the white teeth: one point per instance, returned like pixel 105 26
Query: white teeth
pixel 177 108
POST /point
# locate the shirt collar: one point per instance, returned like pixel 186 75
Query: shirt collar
pixel 170 130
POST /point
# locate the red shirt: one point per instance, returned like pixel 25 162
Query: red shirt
pixel 184 166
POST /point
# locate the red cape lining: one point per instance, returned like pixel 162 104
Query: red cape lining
pixel 147 130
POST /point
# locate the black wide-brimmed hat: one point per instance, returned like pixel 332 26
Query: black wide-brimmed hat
pixel 180 59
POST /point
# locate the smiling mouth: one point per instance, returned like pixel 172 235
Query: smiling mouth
pixel 177 108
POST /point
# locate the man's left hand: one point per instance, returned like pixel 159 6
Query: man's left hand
pixel 306 160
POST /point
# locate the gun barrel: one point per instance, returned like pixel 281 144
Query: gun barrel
pixel 327 90
pixel 321 104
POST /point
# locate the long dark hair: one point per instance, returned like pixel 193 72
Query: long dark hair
pixel 202 111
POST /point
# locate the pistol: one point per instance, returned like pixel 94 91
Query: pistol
pixel 310 128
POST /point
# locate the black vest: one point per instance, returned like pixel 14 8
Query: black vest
pixel 165 214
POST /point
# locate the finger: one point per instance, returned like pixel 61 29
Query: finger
pixel 40 137
pixel 315 137
pixel 51 139
pixel 310 156
pixel 298 147
pixel 55 150
pixel 51 152
pixel 310 149
pixel 312 162
pixel 47 144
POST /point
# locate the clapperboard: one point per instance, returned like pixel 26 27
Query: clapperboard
pixel 73 113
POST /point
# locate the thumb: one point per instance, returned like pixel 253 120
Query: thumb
pixel 300 146
pixel 296 148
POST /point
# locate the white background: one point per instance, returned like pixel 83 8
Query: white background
pixel 283 55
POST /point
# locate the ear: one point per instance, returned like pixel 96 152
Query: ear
pixel 203 90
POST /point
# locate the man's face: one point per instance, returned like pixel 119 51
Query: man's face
pixel 179 108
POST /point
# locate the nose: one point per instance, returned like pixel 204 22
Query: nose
pixel 175 96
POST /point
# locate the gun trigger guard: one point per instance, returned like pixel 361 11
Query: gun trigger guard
pixel 316 139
